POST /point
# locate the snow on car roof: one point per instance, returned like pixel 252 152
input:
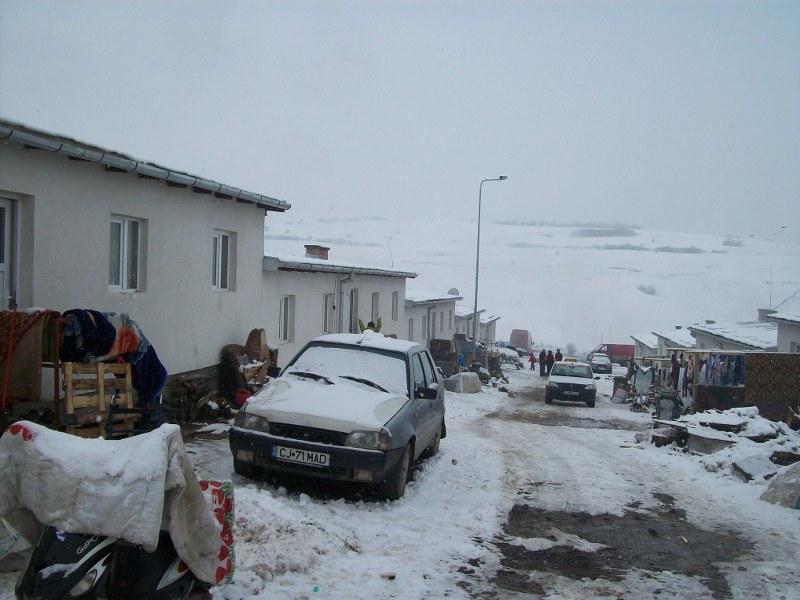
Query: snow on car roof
pixel 572 363
pixel 368 339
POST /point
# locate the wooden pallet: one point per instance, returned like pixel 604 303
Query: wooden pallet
pixel 88 390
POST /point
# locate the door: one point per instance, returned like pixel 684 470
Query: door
pixel 5 254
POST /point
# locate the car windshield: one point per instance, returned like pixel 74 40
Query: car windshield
pixel 601 359
pixel 384 369
pixel 572 371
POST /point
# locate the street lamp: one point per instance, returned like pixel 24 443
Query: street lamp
pixel 477 265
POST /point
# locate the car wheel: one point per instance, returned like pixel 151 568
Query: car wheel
pixel 590 403
pixel 394 486
pixel 433 449
pixel 244 469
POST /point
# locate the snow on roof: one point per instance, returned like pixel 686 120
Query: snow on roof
pixel 44 140
pixel 648 339
pixel 464 312
pixel 368 339
pixel 420 297
pixel 791 317
pixel 759 335
pixel 682 337
pixel 320 265
pixel 488 319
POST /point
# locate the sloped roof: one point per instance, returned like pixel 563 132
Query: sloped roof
pixel 682 337
pixel 648 339
pixel 30 137
pixel 788 317
pixel 319 265
pixel 421 297
pixel 463 312
pixel 758 335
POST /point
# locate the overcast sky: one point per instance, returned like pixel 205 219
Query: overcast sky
pixel 684 115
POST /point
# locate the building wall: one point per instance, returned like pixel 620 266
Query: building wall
pixel 445 320
pixel 488 332
pixel 707 342
pixel 308 289
pixel 788 337
pixel 643 351
pixel 664 344
pixel 63 209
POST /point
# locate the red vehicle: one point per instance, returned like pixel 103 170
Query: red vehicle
pixel 617 353
pixel 521 338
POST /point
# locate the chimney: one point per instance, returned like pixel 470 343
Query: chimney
pixel 316 251
pixel 678 327
pixel 710 321
pixel 763 312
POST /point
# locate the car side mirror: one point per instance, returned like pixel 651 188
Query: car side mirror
pixel 425 393
pixel 273 371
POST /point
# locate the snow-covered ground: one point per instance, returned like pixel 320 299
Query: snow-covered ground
pixel 453 535
pixel 565 284
pixel 500 451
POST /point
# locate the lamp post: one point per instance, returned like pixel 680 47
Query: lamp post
pixel 477 265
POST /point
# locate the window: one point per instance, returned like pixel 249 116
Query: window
pixel 433 325
pixel 794 347
pixel 411 330
pixel 286 319
pixel 125 263
pixel 395 305
pixel 222 261
pixel 430 378
pixel 353 311
pixel 450 314
pixel 425 328
pixel 441 322
pixel 375 305
pixel 328 314
pixel 419 373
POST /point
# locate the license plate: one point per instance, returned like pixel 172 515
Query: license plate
pixel 571 393
pixel 303 457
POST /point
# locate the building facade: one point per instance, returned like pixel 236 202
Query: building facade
pixel 430 316
pixel 84 227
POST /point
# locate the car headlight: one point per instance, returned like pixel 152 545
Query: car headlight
pixel 372 440
pixel 591 387
pixel 247 420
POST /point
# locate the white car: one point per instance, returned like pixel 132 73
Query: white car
pixel 571 380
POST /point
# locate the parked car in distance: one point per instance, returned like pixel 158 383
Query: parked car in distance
pixel 572 381
pixel 521 338
pixel 349 407
pixel 601 363
pixel 617 353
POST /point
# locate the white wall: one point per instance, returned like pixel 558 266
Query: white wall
pixel 707 342
pixel 788 333
pixel 308 289
pixel 664 344
pixel 643 351
pixel 487 332
pixel 445 320
pixel 64 208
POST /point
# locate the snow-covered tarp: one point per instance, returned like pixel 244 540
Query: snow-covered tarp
pixel 123 489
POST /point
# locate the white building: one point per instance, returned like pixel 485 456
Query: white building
pixel 430 315
pixel 747 335
pixel 788 330
pixel 487 324
pixel 311 295
pixel 85 227
pixel 679 337
pixel 646 345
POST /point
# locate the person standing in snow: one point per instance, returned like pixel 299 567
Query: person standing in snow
pixel 542 362
pixel 550 360
pixel 532 359
pixel 559 356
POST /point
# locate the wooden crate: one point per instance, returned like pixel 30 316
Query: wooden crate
pixel 88 390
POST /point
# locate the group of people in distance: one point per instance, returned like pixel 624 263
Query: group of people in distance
pixel 546 360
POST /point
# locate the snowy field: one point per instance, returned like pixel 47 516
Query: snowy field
pixel 577 284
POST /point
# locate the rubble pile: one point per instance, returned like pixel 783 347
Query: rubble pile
pixel 738 441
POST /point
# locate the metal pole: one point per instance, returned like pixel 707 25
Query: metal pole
pixel 477 266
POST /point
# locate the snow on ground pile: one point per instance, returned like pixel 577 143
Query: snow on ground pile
pixel 293 545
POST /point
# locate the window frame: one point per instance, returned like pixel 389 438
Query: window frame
pixel 375 307
pixel 328 313
pixel 395 306
pixel 353 311
pixel 286 319
pixel 123 258
pixel 216 261
pixel 411 329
